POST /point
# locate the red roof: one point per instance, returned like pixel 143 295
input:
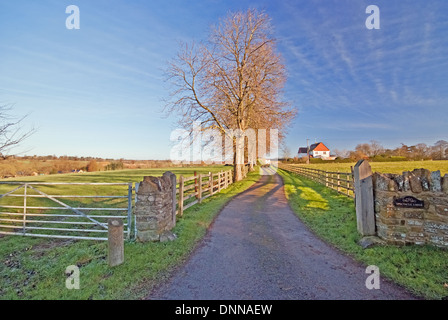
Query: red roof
pixel 319 147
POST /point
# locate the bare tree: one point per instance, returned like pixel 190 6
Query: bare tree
pixel 441 147
pixel 11 131
pixel 363 150
pixel 420 151
pixel 231 83
pixel 376 148
pixel 286 152
pixel 344 153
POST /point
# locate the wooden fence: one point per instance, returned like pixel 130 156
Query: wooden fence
pixel 341 182
pixel 194 189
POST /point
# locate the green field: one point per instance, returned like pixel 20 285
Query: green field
pixel 385 167
pixel 34 268
pixel 127 175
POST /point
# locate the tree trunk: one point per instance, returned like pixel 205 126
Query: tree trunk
pixel 238 172
pixel 239 158
pixel 251 165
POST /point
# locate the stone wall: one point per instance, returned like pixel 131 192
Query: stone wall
pixel 155 208
pixel 412 208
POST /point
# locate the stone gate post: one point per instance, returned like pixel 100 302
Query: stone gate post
pixel 155 209
pixel 365 214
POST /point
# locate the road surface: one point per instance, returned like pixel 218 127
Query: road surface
pixel 257 249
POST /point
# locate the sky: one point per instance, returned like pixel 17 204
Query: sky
pixel 100 90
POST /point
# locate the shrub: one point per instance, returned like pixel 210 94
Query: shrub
pixel 93 166
pixel 116 165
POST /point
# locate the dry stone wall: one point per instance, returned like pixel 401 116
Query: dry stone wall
pixel 155 208
pixel 412 208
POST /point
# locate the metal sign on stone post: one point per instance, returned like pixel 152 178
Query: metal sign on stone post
pixel 365 215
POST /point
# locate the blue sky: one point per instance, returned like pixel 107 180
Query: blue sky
pixel 99 90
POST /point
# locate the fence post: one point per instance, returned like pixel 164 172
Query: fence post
pixel 137 185
pixel 196 184
pixel 326 179
pixel 219 181
pixel 181 195
pixel 24 208
pixel 348 185
pixel 200 189
pixel 226 181
pixel 339 181
pixel 210 183
pixel 115 242
pixel 365 215
pixel 129 209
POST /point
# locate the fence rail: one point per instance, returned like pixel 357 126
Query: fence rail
pixel 194 189
pixel 36 209
pixel 341 182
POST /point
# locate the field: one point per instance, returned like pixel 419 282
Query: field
pixel 34 268
pixel 386 167
pixel 127 175
pixel 38 166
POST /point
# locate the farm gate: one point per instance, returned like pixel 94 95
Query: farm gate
pixel 64 210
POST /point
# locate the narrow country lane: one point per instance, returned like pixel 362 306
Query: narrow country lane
pixel 258 249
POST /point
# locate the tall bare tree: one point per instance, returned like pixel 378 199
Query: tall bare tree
pixel 232 83
pixel 11 131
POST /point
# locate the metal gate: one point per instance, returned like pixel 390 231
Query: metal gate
pixel 64 210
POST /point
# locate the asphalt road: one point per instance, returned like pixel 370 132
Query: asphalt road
pixel 258 249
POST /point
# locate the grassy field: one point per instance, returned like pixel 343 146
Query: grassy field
pixel 34 268
pixel 386 167
pixel 127 175
pixel 421 269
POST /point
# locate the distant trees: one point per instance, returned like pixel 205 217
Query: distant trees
pixel 366 150
pixel 421 151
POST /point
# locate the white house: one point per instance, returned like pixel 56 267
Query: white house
pixel 317 150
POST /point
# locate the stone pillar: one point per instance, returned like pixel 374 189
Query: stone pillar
pixel 155 209
pixel 365 215
pixel 115 242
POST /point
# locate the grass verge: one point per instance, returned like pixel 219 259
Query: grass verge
pixel 421 269
pixel 34 268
